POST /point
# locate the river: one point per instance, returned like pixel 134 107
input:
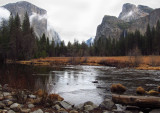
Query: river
pixel 76 83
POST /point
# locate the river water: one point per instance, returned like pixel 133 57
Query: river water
pixel 75 83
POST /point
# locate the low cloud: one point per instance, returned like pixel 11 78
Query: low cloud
pixel 4 14
pixel 37 16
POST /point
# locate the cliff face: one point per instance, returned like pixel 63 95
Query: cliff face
pixel 141 24
pixel 109 27
pixel 132 12
pixel 140 17
pixel 38 18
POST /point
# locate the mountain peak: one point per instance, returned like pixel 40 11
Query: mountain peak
pixel 132 12
pixel 38 18
pixel 24 6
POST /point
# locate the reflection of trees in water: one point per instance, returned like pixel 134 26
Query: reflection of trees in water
pixel 51 83
pixel 17 76
pixel 39 84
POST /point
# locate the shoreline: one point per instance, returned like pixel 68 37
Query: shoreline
pixel 25 101
pixel 138 62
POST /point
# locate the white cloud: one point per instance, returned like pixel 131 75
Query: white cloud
pixel 79 18
pixel 4 14
pixel 40 17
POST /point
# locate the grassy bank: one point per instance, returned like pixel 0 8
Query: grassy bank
pixel 138 62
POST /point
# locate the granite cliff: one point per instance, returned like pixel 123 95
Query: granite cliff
pixel 131 18
pixel 38 18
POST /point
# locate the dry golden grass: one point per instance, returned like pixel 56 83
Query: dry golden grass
pixel 153 93
pixel 55 97
pixel 41 93
pixel 140 91
pixel 144 62
pixel 118 88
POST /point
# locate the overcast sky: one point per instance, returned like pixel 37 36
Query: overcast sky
pixel 78 19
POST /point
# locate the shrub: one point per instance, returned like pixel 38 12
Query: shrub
pixel 140 91
pixel 152 92
pixel 55 97
pixel 118 88
pixel 41 93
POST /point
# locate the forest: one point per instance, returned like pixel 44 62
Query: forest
pixel 18 42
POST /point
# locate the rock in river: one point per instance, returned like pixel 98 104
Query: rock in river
pixel 30 105
pixel 16 107
pixel 88 107
pixel 66 105
pixel 107 104
pixel 2 105
pixel 37 111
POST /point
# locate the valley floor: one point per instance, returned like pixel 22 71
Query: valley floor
pixel 138 62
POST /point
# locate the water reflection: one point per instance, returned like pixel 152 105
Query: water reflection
pixel 74 83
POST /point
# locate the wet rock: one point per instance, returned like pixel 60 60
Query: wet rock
pixel 24 110
pixel 73 111
pixel 132 108
pixel 30 105
pixel 155 111
pixel 107 111
pixel 9 97
pixel 37 111
pixel 34 101
pixel 6 108
pixel 62 111
pixel 85 111
pixel 32 96
pixel 117 111
pixel 2 105
pixel 7 102
pixel 6 94
pixel 66 105
pixel 89 103
pixel 11 111
pixel 56 107
pixel 88 107
pixel 133 111
pixel 79 107
pixel 120 107
pixel 16 107
pixel 107 104
pixel 1 97
pixel 95 81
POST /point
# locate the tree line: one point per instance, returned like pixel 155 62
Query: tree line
pixel 18 42
pixel 146 44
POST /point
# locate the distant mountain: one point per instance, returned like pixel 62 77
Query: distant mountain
pixel 38 18
pixel 132 12
pixel 90 41
pixel 131 18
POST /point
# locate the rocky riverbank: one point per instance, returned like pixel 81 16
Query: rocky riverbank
pixel 25 101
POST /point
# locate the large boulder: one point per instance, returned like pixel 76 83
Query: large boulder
pixel 107 104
